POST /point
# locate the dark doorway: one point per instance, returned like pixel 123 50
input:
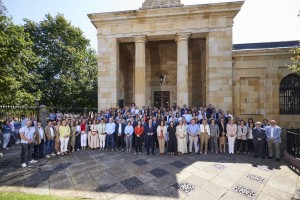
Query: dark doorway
pixel 162 99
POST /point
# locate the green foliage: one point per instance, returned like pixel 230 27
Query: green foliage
pixel 295 66
pixel 68 67
pixel 18 64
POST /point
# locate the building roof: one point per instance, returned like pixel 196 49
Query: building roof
pixel 266 45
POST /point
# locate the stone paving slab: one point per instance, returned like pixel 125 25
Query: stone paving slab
pixel 117 175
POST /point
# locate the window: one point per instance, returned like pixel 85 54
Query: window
pixel 290 94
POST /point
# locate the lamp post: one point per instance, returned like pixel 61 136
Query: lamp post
pixel 161 79
pixel 37 103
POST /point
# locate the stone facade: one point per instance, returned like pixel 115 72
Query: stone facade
pixel 257 75
pixel 191 47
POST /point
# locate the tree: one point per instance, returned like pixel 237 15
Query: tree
pixel 69 66
pixel 18 63
pixel 295 66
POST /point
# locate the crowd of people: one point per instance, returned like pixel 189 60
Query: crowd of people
pixel 174 130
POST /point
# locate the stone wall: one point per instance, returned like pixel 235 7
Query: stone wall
pixel 256 80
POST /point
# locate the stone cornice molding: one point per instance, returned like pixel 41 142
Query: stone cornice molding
pixel 262 52
pixel 205 11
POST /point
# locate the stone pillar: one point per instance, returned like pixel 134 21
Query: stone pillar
pixel 43 115
pixel 219 74
pixel 182 69
pixel 140 71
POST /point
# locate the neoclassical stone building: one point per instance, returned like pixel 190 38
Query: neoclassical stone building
pixel 165 53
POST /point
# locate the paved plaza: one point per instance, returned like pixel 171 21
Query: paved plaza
pixel 117 175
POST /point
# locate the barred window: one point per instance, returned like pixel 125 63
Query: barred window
pixel 290 94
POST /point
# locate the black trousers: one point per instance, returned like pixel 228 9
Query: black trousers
pixel 149 143
pixel 250 147
pixel 120 141
pixel 258 147
pixel 138 144
pixel 26 154
pixel 38 150
pixel 78 141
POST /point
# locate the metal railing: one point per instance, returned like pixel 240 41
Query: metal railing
pixel 293 142
pixel 17 111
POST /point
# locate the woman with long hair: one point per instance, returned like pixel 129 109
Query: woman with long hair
pixel 161 136
pixel 138 130
pixel 172 143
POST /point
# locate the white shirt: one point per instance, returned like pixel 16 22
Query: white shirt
pixel 78 128
pixel 120 128
pixel 41 131
pixel 202 129
pixel 51 131
pixel 28 133
pixel 272 131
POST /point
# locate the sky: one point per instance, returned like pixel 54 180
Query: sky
pixel 258 20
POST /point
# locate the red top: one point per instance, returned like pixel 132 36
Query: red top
pixel 139 130
pixel 82 126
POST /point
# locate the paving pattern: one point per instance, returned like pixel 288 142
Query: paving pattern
pixel 95 174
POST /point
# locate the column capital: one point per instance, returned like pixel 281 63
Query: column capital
pixel 182 36
pixel 140 38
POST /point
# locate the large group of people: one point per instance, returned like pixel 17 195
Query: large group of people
pixel 174 131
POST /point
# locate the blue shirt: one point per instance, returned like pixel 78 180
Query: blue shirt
pixel 193 129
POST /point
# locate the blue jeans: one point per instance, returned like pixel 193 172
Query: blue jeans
pixel 49 146
pixel 110 141
pixel 6 139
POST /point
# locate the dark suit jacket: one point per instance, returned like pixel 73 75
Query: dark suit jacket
pixel 221 128
pixel 148 129
pixel 117 128
pixel 259 134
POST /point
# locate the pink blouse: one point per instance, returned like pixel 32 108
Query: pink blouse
pixel 231 130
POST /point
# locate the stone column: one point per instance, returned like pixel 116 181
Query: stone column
pixel 182 69
pixel 140 70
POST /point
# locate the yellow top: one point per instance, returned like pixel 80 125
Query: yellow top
pixel 64 131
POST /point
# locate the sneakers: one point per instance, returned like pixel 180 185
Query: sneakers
pixel 32 161
pixel 47 156
pixel 53 154
pixel 58 153
pixel 1 154
pixel 23 165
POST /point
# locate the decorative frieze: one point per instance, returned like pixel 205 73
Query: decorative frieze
pixel 148 4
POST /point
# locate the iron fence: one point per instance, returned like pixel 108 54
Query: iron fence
pixel 17 111
pixel 293 142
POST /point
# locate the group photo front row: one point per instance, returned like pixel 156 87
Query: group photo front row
pixel 173 132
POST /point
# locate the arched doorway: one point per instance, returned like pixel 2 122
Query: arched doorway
pixel 290 94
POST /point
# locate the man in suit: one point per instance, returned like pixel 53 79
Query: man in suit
pixel 259 137
pixel 50 133
pixel 149 137
pixel 120 128
pixel 274 139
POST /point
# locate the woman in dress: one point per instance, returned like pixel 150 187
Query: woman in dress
pixel 231 135
pixel 94 141
pixel 57 138
pixel 172 144
pixel 250 146
pixel 181 138
pixel 161 135
pixel 78 136
pixel 72 136
pixel 223 131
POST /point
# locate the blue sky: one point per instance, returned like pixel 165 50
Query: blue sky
pixel 258 21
